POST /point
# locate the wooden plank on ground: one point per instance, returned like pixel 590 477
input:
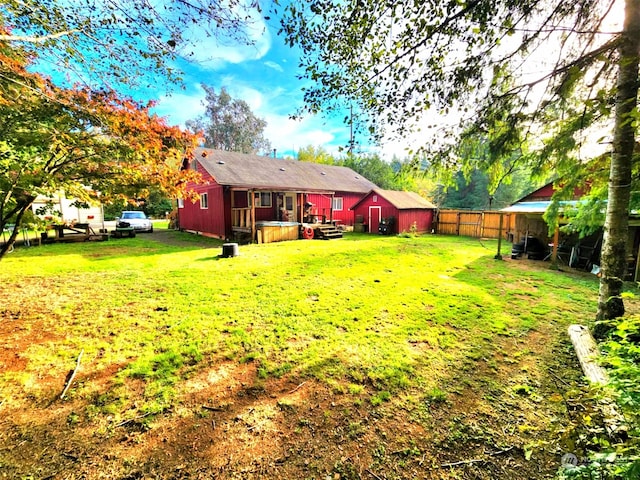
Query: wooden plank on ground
pixel 588 353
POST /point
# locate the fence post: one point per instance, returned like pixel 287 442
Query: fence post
pixel 499 254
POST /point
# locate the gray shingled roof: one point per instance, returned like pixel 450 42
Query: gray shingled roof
pixel 402 200
pixel 267 173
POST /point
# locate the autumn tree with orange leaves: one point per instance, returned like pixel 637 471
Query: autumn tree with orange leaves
pixel 88 140
pixel 90 144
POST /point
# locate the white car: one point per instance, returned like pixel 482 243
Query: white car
pixel 137 220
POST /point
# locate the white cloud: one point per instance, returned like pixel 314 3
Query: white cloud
pixel 253 97
pixel 274 65
pixel 288 136
pixel 180 107
pixel 212 53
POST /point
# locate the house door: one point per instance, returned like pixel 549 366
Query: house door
pixel 290 206
pixel 375 215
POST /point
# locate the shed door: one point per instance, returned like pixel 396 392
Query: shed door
pixel 375 214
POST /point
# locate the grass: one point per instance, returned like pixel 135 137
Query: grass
pixel 364 310
pixel 414 321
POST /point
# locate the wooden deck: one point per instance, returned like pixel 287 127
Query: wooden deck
pixel 269 232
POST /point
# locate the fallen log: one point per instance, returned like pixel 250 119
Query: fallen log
pixel 588 354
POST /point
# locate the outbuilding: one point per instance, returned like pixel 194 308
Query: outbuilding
pixel 392 211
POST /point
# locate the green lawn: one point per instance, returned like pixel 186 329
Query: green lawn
pixel 430 326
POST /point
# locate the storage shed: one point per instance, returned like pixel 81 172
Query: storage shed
pixel 397 211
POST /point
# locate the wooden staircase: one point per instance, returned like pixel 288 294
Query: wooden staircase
pixel 326 231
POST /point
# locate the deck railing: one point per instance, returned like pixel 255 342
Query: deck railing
pixel 322 215
pixel 241 217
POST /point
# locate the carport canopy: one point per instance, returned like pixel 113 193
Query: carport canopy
pixel 539 208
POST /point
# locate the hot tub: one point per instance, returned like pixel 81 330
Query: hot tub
pixel 274 231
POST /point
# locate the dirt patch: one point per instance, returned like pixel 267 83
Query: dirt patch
pixel 227 423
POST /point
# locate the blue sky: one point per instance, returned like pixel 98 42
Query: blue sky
pixel 263 75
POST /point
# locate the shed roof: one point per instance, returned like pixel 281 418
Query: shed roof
pixel 401 200
pixel 535 207
pixel 266 173
pixel 546 192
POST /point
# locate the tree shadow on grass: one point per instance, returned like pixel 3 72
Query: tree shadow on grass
pixel 229 422
pixel 156 243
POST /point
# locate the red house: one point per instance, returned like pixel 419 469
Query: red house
pixel 251 195
pixel 400 211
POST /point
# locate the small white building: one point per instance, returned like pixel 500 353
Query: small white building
pixel 63 209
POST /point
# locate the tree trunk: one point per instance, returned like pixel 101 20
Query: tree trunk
pixel 23 207
pixel 616 227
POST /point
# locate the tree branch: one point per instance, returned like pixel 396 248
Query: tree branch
pixel 447 21
pixel 73 374
pixel 42 39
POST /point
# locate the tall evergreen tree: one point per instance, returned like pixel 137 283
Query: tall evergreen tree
pixel 473 192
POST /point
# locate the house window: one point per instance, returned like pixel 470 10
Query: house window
pixel 181 203
pixel 375 199
pixel 337 203
pixel 194 165
pixel 262 199
pixel 204 200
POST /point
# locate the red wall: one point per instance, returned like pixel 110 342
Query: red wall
pixel 541 194
pixel 241 200
pixel 386 209
pixel 216 219
pixel 346 216
pixel 545 193
pixel 422 218
pixel 211 220
pixel 404 219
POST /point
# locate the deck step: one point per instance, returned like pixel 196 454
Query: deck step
pixel 327 232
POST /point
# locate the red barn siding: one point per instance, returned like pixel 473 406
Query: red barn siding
pixel 240 199
pixel 321 203
pixel 422 218
pixel 386 209
pixel 216 220
pixel 346 216
pixel 210 220
pixel 545 193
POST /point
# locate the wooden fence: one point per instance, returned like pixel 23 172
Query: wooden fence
pixel 471 223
